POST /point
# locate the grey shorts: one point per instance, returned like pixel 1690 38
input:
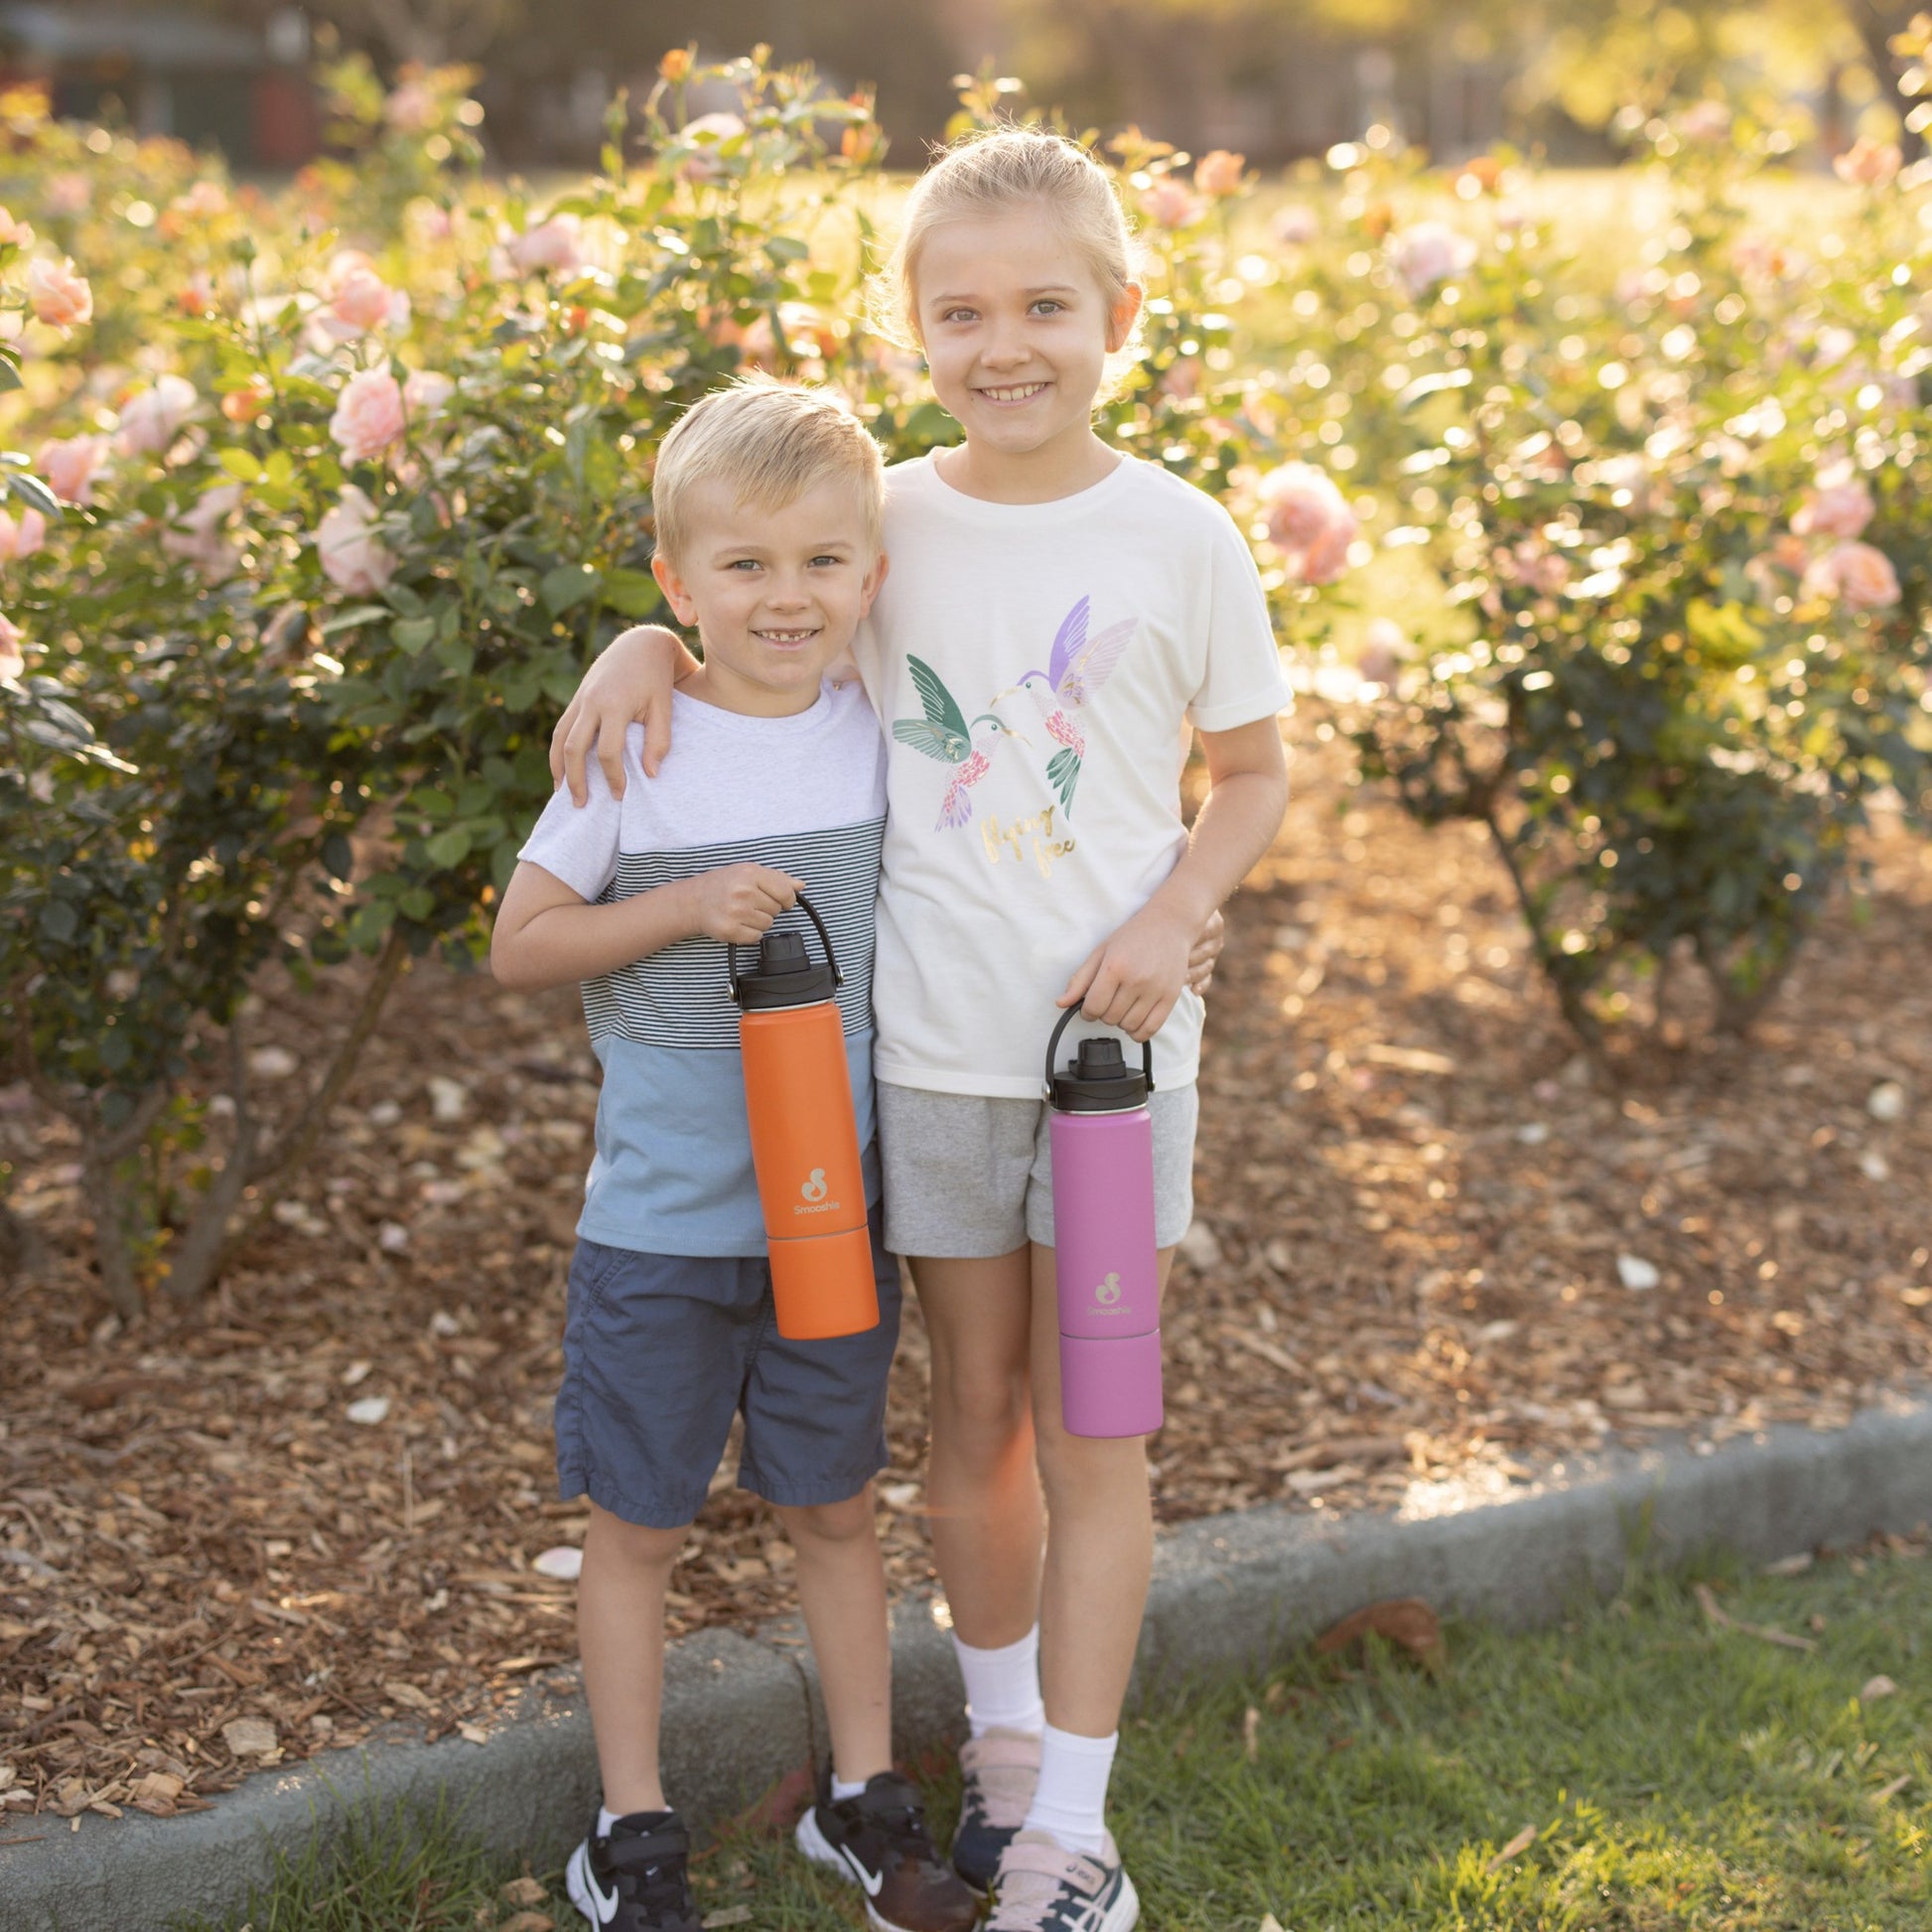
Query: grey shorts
pixel 968 1176
pixel 660 1351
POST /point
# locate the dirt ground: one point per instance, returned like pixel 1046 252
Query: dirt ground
pixel 1431 1252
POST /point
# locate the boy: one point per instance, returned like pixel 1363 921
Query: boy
pixel 768 507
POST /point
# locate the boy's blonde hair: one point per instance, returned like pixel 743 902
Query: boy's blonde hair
pixel 988 171
pixel 768 443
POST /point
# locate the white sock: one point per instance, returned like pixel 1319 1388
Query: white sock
pixel 844 1789
pixel 606 1817
pixel 1003 1685
pixel 1070 1800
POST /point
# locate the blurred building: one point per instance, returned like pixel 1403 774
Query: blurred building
pixel 158 70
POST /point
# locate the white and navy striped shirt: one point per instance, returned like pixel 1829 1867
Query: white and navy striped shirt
pixel 804 795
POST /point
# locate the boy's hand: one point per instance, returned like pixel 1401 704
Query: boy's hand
pixel 1131 980
pixel 737 903
pixel 1208 942
pixel 630 683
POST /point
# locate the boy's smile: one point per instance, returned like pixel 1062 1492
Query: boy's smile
pixel 776 594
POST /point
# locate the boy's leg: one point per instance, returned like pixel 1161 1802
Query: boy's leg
pixel 842 1590
pixel 621 1635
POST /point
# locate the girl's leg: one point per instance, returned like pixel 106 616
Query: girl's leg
pixel 621 1635
pixel 842 1590
pixel 981 1484
pixel 1101 1548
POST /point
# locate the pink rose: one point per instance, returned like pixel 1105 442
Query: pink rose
pixel 12 663
pixel 202 201
pixel 19 541
pixel 360 300
pixel 369 415
pixel 69 194
pixel 1838 505
pixel 1309 520
pixel 152 420
pixel 1705 121
pixel 548 248
pixel 426 393
pixel 352 555
pixel 1297 225
pixel 1854 575
pixel 411 108
pixel 1868 163
pixel 1218 173
pixel 1428 253
pixel 61 297
pixel 14 234
pixel 197 536
pixel 68 465
pixel 708 132
pixel 1385 649
pixel 1169 205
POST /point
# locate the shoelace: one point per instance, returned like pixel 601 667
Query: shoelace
pixel 1003 1770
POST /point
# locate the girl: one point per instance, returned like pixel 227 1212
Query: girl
pixel 1057 617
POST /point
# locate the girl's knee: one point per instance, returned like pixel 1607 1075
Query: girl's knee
pixel 1073 1466
pixel 990 1406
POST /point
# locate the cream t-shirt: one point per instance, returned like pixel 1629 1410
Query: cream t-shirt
pixel 1036 667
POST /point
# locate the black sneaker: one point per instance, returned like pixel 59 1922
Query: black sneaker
pixel 636 1880
pixel 879 1842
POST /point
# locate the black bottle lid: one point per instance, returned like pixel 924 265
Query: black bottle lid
pixel 1098 1080
pixel 786 975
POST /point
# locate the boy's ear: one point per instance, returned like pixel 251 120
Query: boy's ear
pixel 1121 318
pixel 674 586
pixel 874 578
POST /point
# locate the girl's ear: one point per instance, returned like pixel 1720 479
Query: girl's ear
pixel 1122 316
pixel 674 586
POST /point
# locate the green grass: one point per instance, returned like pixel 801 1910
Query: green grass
pixel 1679 1776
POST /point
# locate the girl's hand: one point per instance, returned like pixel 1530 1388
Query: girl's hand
pixel 737 903
pixel 1131 980
pixel 630 683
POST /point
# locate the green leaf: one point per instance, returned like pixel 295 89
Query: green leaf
pixel 35 494
pixel 338 856
pixel 786 249
pixel 58 920
pixel 1432 385
pixel 447 849
pixel 566 586
pixel 411 635
pixel 351 620
pixel 631 593
pixel 9 371
pixel 241 464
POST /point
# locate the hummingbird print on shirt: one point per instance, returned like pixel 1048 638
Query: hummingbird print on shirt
pixel 943 734
pixel 1078 667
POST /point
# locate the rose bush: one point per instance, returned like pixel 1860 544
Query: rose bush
pixel 333 493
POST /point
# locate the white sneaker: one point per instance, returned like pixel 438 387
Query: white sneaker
pixel 1043 1887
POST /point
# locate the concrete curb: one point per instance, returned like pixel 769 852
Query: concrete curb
pixel 1229 1592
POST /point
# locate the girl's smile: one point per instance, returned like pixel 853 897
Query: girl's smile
pixel 1017 333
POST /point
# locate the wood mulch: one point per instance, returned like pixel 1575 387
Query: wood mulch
pixel 1433 1253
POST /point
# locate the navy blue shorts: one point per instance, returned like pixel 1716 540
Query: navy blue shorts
pixel 660 1351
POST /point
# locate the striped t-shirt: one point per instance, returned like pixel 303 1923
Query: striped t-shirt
pixel 806 794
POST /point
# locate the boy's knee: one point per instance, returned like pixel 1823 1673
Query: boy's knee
pixel 837 1523
pixel 631 1545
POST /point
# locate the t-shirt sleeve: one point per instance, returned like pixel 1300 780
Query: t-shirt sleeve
pixel 1243 679
pixel 578 842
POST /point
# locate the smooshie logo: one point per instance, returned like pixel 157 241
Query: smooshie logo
pixel 813 1193
pixel 1108 1293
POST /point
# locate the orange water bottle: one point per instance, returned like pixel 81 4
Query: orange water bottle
pixel 804 1137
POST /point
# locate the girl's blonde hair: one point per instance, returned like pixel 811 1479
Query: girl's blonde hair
pixel 992 170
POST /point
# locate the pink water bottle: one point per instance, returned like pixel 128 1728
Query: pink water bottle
pixel 1103 1238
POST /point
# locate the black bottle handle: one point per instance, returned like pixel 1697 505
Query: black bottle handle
pixel 1054 1041
pixel 825 939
